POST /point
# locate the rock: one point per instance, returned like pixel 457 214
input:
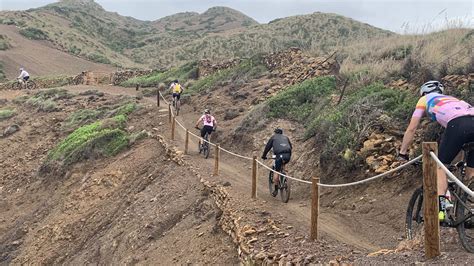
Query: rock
pixel 249 232
pixel 260 256
pixel 11 130
pixel 231 114
pixel 227 184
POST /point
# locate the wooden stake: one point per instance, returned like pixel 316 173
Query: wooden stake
pixel 314 208
pixel 430 201
pixel 158 98
pixel 173 126
pixel 186 142
pixel 254 177
pixel 216 165
pixel 169 112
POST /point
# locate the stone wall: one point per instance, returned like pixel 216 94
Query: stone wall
pixel 121 76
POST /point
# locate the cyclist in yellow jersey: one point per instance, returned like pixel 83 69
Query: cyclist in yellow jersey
pixel 176 90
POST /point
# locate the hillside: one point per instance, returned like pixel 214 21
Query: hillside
pixel 83 28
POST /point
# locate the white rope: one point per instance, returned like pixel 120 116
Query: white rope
pixel 179 124
pixel 299 180
pixel 162 97
pixel 374 177
pixel 451 175
pixel 199 137
pixel 235 154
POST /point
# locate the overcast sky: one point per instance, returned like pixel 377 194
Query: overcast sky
pixel 402 16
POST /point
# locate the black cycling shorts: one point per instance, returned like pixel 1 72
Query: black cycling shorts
pixel 281 159
pixel 177 95
pixel 459 131
pixel 206 129
pixel 26 78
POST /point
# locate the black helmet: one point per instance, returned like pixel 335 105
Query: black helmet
pixel 175 81
pixel 278 130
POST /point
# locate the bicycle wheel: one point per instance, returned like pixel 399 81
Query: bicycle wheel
pixel 466 229
pixel 414 217
pixel 271 185
pixel 31 85
pixel 16 86
pixel 284 189
pixel 206 150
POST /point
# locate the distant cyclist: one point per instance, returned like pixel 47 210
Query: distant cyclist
pixel 176 89
pixel 281 146
pixel 23 77
pixel 453 114
pixel 209 123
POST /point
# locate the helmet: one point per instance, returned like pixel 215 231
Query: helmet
pixel 278 130
pixel 21 69
pixel 206 111
pixel 176 81
pixel 431 86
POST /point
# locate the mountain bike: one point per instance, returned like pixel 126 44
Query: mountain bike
pixel 459 209
pixel 203 146
pixel 176 105
pixel 283 186
pixel 18 85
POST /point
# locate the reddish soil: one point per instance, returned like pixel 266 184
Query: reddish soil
pixel 40 59
pixel 141 207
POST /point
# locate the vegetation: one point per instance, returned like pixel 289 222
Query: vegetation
pixel 2 74
pixel 45 101
pixel 6 113
pixel 182 73
pixel 4 43
pixel 34 33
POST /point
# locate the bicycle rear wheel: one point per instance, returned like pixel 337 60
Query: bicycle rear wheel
pixel 466 229
pixel 31 85
pixel 414 215
pixel 284 189
pixel 206 150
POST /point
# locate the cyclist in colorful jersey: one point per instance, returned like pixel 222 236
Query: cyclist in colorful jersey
pixel 209 123
pixel 176 90
pixel 281 146
pixel 456 116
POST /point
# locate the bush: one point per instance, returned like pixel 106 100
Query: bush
pixel 81 117
pixel 98 58
pixel 6 113
pixel 4 43
pixel 34 34
pixel 42 104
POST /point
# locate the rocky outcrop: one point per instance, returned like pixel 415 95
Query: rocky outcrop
pixel 206 67
pixel 455 81
pixel 121 76
pixel 294 66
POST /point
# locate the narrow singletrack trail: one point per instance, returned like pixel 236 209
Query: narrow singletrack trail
pixel 297 212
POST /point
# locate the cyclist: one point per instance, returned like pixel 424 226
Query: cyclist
pixel 176 90
pixel 456 116
pixel 282 147
pixel 23 77
pixel 209 123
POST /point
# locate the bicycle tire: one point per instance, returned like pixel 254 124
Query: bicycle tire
pixel 466 229
pixel 31 85
pixel 285 189
pixel 16 86
pixel 206 150
pixel 271 185
pixel 414 214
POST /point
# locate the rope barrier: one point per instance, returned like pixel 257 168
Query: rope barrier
pixel 162 97
pixel 451 175
pixel 235 154
pixel 301 180
pixel 374 177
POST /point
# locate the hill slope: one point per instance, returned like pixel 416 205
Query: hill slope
pixel 85 29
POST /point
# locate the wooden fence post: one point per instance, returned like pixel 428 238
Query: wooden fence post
pixel 186 142
pixel 173 126
pixel 158 98
pixel 216 165
pixel 430 201
pixel 169 112
pixel 314 208
pixel 254 177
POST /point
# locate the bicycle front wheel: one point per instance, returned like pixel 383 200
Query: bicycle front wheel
pixel 414 215
pixel 271 185
pixel 465 213
pixel 285 189
pixel 16 86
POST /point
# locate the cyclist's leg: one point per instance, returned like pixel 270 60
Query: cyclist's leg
pixel 178 100
pixel 278 168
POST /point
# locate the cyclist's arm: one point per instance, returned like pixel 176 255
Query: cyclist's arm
pixel 409 134
pixel 268 147
pixel 197 123
pixel 289 142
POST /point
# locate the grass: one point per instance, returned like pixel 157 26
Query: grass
pixel 45 101
pixel 81 117
pixel 182 73
pixel 34 33
pixel 6 113
pixel 4 43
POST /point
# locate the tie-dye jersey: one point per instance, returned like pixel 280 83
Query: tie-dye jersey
pixel 442 108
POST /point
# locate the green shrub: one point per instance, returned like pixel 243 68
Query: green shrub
pixel 98 58
pixel 182 73
pixel 6 113
pixel 81 117
pixel 34 34
pixel 4 43
pixel 42 104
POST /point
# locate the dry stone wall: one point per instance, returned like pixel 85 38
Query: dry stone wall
pixel 121 76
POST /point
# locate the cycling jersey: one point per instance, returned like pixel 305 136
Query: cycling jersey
pixel 176 88
pixel 23 74
pixel 208 120
pixel 442 108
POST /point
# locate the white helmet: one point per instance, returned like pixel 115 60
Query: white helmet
pixel 431 86
pixel 21 69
